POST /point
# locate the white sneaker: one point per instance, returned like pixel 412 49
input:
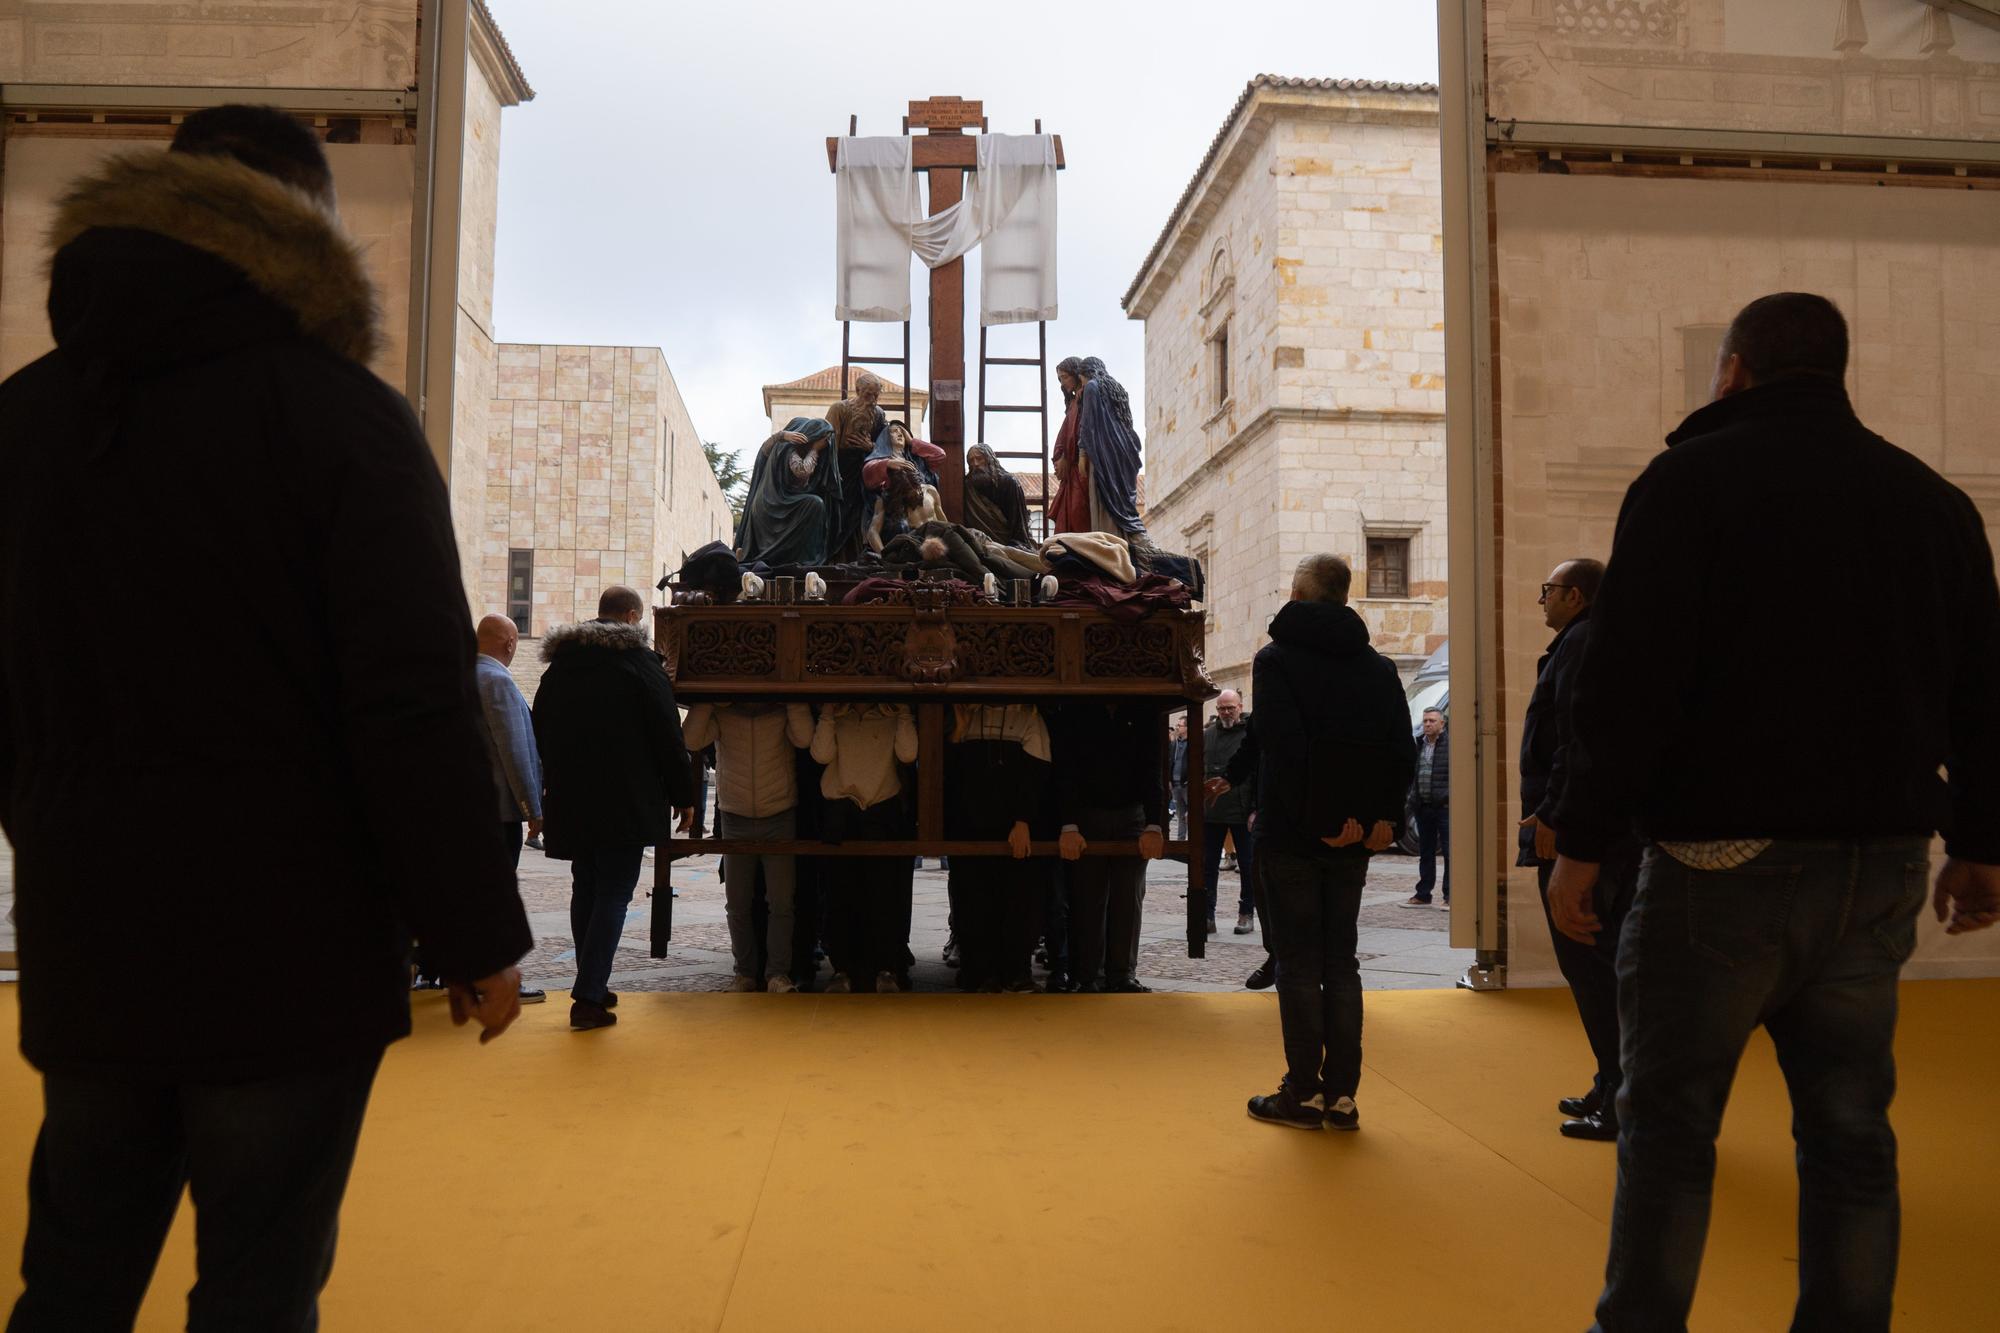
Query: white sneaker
pixel 886 984
pixel 780 985
pixel 742 985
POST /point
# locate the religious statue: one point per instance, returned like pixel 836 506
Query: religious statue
pixel 856 421
pixel 1108 444
pixel 794 501
pixel 1069 509
pixel 994 501
pixel 896 451
pixel 902 501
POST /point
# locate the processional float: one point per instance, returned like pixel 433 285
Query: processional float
pixel 934 649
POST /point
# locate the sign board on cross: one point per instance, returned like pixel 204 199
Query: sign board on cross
pixel 947 113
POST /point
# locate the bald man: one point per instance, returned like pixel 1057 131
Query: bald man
pixel 510 744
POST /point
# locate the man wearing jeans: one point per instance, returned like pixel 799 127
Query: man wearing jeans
pixel 1333 744
pixel 614 764
pixel 325 733
pixel 1431 790
pixel 1785 872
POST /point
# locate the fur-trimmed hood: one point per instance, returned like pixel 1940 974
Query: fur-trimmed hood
pixel 611 634
pixel 289 246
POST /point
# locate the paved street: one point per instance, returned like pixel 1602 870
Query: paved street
pixel 1399 948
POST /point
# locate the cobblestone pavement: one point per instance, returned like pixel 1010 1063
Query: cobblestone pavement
pixel 1399 948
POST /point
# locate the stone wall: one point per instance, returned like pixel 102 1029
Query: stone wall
pixel 1313 253
pixel 375 183
pixel 596 468
pixel 1876 67
pixel 1606 288
pixel 246 44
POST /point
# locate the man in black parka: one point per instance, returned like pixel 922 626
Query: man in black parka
pixel 1333 760
pixel 299 789
pixel 614 767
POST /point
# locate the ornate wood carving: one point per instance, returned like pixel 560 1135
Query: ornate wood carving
pixel 730 648
pixel 991 648
pixel 1141 650
pixel 855 648
pixel 930 651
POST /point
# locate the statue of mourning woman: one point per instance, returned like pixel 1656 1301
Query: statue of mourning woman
pixel 1097 455
pixel 794 501
pixel 901 478
pixel 856 421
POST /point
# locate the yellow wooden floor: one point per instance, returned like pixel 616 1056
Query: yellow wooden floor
pixel 1058 1163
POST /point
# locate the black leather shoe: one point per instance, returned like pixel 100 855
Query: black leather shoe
pixel 1129 986
pixel 1577 1107
pixel 583 1016
pixel 1597 1127
pixel 611 999
pixel 1263 978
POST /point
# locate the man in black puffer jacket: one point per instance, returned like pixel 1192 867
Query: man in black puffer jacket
pixel 1332 744
pixel 298 792
pixel 615 767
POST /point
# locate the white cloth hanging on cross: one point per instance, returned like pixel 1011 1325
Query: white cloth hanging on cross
pixel 1009 207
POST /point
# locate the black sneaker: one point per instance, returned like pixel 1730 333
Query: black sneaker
pixel 1282 1108
pixel 583 1016
pixel 533 995
pixel 1343 1114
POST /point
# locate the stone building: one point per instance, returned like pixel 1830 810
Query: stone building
pixel 597 477
pixel 811 396
pixel 1648 168
pixel 1295 361
pixel 79 81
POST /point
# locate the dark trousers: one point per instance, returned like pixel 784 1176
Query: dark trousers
pixel 1315 904
pixel 1433 845
pixel 869 918
pixel 1806 940
pixel 1592 969
pixel 1055 913
pixel 601 883
pixel 266 1163
pixel 1246 859
pixel 1105 897
pixel 997 901
pixel 510 839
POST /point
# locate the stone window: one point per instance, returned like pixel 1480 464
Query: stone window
pixel 1389 567
pixel 1220 342
pixel 521 590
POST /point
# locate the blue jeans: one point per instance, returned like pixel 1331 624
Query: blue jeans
pixel 601 883
pixel 1211 870
pixel 1433 845
pixel 1807 941
pixel 1314 899
pixel 266 1163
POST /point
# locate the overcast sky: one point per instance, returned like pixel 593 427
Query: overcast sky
pixel 668 185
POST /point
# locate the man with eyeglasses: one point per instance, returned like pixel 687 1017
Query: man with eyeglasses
pixel 1545 767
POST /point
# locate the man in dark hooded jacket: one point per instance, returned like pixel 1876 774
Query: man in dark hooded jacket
pixel 207 425
pixel 1332 747
pixel 614 768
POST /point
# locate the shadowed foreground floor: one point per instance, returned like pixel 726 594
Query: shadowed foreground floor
pixel 1057 1162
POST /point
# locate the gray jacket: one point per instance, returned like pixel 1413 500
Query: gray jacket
pixel 1219 746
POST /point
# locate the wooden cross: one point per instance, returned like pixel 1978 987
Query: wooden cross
pixel 947 153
